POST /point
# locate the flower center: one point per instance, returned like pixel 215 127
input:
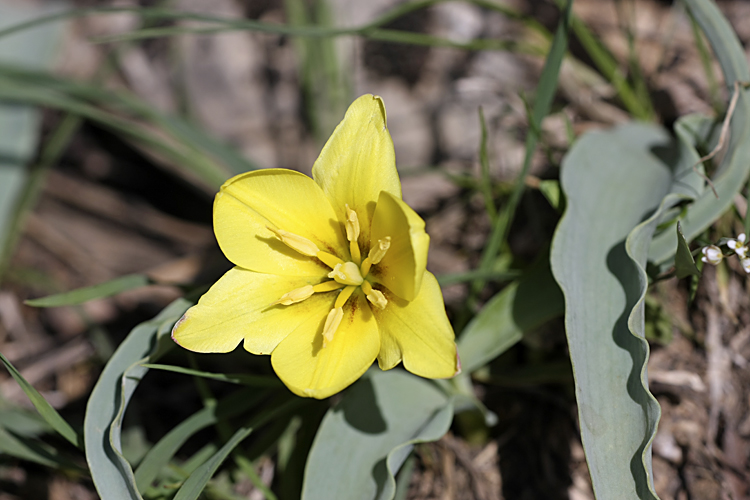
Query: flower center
pixel 347 275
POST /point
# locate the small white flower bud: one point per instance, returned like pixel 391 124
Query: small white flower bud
pixel 712 255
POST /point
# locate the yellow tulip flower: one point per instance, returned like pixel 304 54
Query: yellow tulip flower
pixel 329 272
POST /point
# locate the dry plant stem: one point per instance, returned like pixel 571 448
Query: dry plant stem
pixel 721 393
pixel 722 136
pixel 452 447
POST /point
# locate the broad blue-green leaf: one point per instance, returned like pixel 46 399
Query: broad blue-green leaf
pixel 613 181
pixel 364 439
pixel 43 407
pixel 733 171
pixel 112 474
pixel 519 307
pixel 81 295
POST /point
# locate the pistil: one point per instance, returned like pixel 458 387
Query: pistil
pixel 347 274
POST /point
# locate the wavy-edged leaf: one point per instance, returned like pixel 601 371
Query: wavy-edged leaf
pixel 112 474
pixel 733 171
pixel 613 181
pixel 102 290
pixel 364 440
pixel 519 307
pixel 49 414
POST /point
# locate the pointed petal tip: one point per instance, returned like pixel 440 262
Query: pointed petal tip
pixel 458 364
pixel 175 327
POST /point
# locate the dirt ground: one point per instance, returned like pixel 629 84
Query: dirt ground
pixel 110 209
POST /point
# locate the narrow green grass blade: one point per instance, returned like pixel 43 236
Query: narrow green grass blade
pixel 732 174
pixel 184 144
pixel 518 308
pixel 102 290
pixel 112 474
pixel 485 184
pixel 197 481
pixel 232 378
pixel 52 150
pixel 34 451
pixel 610 69
pixel 49 414
pixel 163 451
pixel 23 422
pixel 364 440
pixel 612 181
pixel 452 279
pixel 19 124
pixel 545 93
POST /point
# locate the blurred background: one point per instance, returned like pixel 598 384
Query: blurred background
pixel 112 149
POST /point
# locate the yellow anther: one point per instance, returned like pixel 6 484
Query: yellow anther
pixel 332 323
pixel 352 224
pixel 297 295
pixel 377 252
pixel 352 234
pixel 329 259
pixel 375 296
pixel 347 274
pixel 328 286
pixel 296 242
pixel 344 296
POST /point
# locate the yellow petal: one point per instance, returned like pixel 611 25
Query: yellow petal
pixel 282 199
pixel 419 332
pixel 310 370
pixel 404 262
pixel 358 162
pixel 238 307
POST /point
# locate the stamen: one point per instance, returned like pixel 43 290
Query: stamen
pixel 328 286
pixel 364 269
pixel 377 252
pixel 329 259
pixel 344 296
pixel 296 242
pixel 352 224
pixel 352 234
pixel 347 274
pixel 375 296
pixel 295 296
pixel 332 323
